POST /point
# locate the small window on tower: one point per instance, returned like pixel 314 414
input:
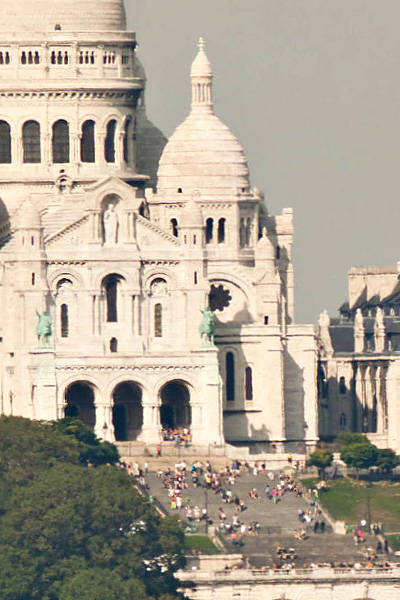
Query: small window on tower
pixel 33 278
pixel 174 227
pixel 265 320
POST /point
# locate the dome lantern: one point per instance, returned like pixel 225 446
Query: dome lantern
pixel 202 154
pixel 201 76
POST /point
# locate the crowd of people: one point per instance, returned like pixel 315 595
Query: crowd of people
pixel 179 435
pixel 229 508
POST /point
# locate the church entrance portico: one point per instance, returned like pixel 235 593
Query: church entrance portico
pixel 80 402
pixel 127 411
pixel 175 409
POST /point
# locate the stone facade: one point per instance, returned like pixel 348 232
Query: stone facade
pixel 215 578
pixel 359 360
pixel 124 265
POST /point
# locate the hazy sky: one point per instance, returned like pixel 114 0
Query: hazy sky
pixel 312 90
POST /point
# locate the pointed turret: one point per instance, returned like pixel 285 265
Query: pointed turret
pixel 201 75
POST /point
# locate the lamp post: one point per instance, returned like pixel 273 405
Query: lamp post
pixel 368 492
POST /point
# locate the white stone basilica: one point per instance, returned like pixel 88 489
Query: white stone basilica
pixel 124 264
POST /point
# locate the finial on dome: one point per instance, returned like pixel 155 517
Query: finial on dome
pixel 201 76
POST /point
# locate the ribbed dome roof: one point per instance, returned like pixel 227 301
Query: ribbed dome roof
pixel 70 15
pixel 202 154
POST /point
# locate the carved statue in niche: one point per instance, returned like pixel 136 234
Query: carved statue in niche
pixel 358 321
pixel 158 287
pixel 110 225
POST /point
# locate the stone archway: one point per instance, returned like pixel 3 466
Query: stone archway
pixel 79 402
pixel 127 411
pixel 175 409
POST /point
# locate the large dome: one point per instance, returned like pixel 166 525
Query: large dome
pixel 202 154
pixel 69 15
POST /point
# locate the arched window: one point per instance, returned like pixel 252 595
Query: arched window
pixel 5 143
pixel 109 143
pixel 126 141
pixel 343 421
pixel 87 142
pixel 230 376
pixel 174 227
pixel 60 142
pixel 249 383
pixel 278 252
pixel 31 142
pixel 221 231
pixel 64 321
pixel 158 320
pixel 111 290
pixel 342 385
pixel 209 230
pixel 113 345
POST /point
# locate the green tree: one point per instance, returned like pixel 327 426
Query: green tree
pixel 359 455
pixel 71 530
pixel 71 524
pixel 387 460
pixel 92 450
pixel 28 447
pixel 321 459
pixel 347 437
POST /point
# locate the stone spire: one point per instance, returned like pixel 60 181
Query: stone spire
pixel 201 76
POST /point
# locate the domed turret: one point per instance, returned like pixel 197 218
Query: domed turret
pixel 265 250
pixel 201 66
pixel 202 154
pixel 191 214
pixel 28 216
pixel 64 15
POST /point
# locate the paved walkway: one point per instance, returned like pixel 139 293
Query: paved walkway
pixel 277 521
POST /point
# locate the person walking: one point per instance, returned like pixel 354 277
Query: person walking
pixel 158 450
pixel 316 526
pixel 322 526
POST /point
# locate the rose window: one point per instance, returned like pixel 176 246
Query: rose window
pixel 219 297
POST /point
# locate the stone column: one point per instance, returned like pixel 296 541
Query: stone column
pixel 104 427
pixel 359 399
pixel 379 404
pixel 369 401
pixel 151 430
pixel 119 150
pixel 74 149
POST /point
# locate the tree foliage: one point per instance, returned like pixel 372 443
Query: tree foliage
pixel 91 449
pixel 69 530
pixel 359 455
pixel 347 437
pixel 387 460
pixel 321 459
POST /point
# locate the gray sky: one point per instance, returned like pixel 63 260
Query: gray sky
pixel 311 89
